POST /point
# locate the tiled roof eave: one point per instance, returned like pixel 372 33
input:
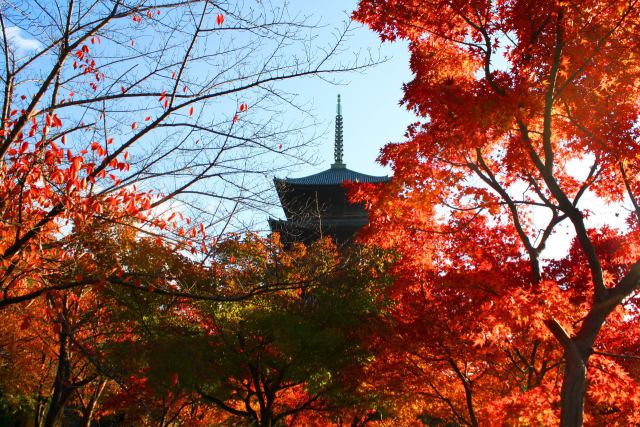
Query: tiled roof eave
pixel 333 176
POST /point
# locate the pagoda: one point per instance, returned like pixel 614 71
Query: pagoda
pixel 316 206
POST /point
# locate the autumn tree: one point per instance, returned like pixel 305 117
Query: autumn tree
pixel 57 358
pixel 295 357
pixel 131 134
pixel 50 372
pixel 531 112
pixel 132 110
pixel 43 371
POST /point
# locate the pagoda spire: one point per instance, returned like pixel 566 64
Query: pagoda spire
pixel 338 148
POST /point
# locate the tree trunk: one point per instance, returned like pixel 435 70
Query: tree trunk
pixel 576 354
pixel 267 421
pixel 574 384
pixel 38 414
pixel 61 391
pixel 87 413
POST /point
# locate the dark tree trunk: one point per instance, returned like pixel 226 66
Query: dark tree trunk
pixel 267 420
pixel 61 389
pixel 574 385
pixel 87 413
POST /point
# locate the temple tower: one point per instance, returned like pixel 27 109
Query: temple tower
pixel 317 205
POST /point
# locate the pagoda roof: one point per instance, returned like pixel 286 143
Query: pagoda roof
pixel 334 176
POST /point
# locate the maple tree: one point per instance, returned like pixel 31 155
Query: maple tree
pixel 44 372
pixel 131 134
pixel 116 353
pixel 107 112
pixel 294 357
pixel 53 341
pixel 531 123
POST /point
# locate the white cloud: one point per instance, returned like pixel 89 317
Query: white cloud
pixel 18 42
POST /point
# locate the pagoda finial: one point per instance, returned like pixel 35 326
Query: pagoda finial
pixel 338 149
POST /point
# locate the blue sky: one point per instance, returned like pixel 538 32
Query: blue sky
pixel 371 110
pixel 372 115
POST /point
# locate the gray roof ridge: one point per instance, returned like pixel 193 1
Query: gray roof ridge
pixel 334 176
